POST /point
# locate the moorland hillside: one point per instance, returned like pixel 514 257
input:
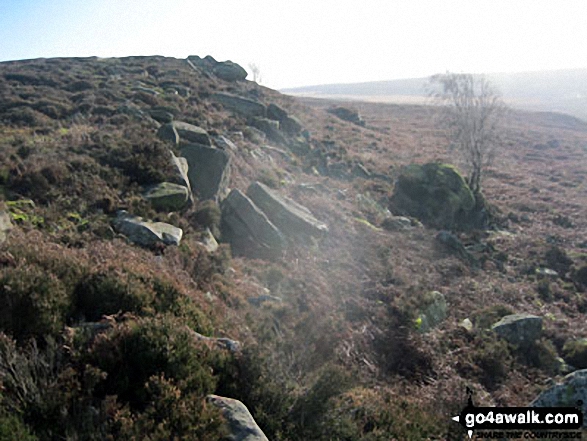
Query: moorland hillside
pixel 176 236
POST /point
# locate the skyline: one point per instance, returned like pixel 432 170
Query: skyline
pixel 308 43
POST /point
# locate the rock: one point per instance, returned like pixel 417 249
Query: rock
pixel 291 125
pixel 433 313
pixel 5 225
pixel 519 329
pixel 290 217
pixel 466 324
pixel 244 106
pixel 180 164
pixel 546 273
pixel 225 144
pixel 208 241
pixel 437 195
pixel 569 393
pixel 347 114
pixel 241 425
pixel 161 115
pixel 396 223
pixel 276 113
pixel 580 276
pixel 177 131
pixel 167 196
pixel 360 171
pixel 288 124
pixel 575 353
pixel 229 71
pixel 455 246
pixel 146 233
pixel 248 229
pixel 257 301
pixel 209 170
pixel 270 128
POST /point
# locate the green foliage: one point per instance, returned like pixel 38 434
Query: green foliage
pixel 208 215
pixel 575 353
pixel 132 354
pixel 36 303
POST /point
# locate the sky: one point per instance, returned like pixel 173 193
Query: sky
pixel 309 42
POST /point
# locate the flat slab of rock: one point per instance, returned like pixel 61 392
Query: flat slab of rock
pixel 181 167
pixel 209 170
pixel 241 424
pixel 244 106
pixel 177 131
pixel 167 196
pixel 5 225
pixel 248 229
pixel 290 217
pixel 571 391
pixel 146 233
pixel 519 329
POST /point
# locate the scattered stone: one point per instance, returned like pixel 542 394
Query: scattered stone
pixel 466 324
pixel 437 195
pixel 209 170
pixel 241 425
pixel 455 246
pixel 519 329
pixel 244 106
pixel 5 225
pixel 224 143
pixel 580 276
pixel 546 273
pixel 220 342
pixel 347 114
pixel 167 196
pixel 575 353
pixel 396 223
pixel 248 229
pixel 433 313
pixel 208 240
pixel 161 115
pixel 270 128
pixel 146 233
pixel 229 71
pixel 176 131
pixel 257 301
pixel 569 393
pixel 290 217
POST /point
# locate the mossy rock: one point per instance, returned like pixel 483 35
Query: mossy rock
pixel 575 353
pixel 437 195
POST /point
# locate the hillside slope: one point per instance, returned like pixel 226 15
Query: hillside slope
pixel 105 339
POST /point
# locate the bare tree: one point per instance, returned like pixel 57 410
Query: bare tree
pixel 256 72
pixel 473 114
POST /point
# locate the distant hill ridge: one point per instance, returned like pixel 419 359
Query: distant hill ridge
pixel 562 91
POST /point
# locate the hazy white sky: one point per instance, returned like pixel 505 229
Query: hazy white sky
pixel 306 42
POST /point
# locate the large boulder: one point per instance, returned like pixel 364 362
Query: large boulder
pixel 519 329
pixel 176 131
pixel 270 128
pixel 290 217
pixel 181 167
pixel 350 115
pixel 248 229
pixel 243 106
pixel 569 393
pixel 287 123
pixel 167 196
pixel 241 425
pixel 146 233
pixel 5 225
pixel 436 194
pixel 229 71
pixel 209 170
